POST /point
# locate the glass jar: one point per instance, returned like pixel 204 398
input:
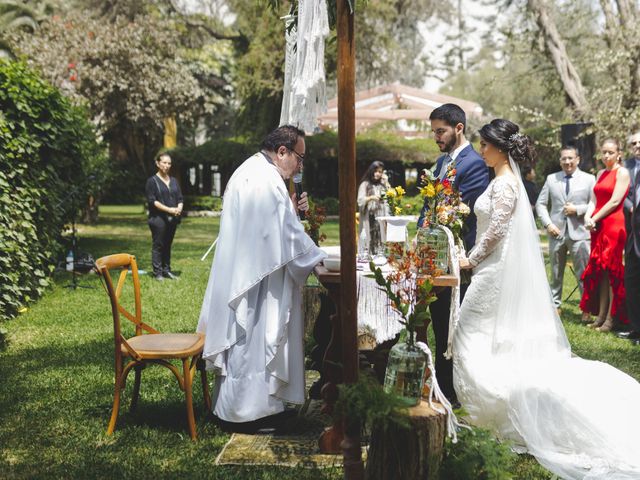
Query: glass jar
pixel 435 238
pixel 405 372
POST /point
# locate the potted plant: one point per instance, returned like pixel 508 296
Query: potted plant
pixel 410 294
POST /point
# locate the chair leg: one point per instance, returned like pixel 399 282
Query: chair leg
pixel 136 388
pixel 188 381
pixel 116 405
pixel 205 385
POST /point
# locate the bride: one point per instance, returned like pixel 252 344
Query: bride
pixel 513 369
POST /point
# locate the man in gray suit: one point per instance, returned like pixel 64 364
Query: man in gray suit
pixel 566 194
pixel 632 248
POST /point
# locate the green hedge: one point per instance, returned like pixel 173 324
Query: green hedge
pixel 47 146
pixel 202 202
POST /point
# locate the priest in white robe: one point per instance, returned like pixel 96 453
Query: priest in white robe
pixel 252 309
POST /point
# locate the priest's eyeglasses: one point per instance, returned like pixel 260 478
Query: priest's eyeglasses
pixel 300 157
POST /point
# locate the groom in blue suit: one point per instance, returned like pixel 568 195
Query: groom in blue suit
pixel 448 124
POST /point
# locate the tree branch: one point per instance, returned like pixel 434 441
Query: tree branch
pixel 571 82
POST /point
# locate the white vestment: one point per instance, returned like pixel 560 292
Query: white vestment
pixel 251 313
pixel 513 369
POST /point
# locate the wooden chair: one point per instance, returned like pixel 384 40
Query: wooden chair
pixel 148 346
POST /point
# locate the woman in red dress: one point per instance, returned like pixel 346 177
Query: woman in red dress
pixel 603 279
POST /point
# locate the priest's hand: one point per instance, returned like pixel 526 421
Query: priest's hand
pixel 301 204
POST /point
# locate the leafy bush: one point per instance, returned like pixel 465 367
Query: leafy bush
pixel 330 204
pixel 202 202
pixel 477 455
pixel 47 147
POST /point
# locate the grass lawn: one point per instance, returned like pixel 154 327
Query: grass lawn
pixel 56 375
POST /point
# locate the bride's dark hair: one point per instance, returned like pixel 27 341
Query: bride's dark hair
pixel 506 135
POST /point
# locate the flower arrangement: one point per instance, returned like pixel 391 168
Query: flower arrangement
pixel 409 284
pixel 445 205
pixel 314 219
pixel 393 196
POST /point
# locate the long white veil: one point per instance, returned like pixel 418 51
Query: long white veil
pixel 527 326
pixel 553 399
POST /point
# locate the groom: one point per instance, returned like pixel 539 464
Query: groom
pixel 448 124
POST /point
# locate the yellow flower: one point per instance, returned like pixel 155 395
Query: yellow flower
pixel 391 193
pixel 398 210
pixel 400 190
pixel 439 187
pixel 429 191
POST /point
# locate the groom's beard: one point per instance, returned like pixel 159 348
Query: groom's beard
pixel 448 145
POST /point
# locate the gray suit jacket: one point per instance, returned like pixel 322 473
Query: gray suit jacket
pixel 553 196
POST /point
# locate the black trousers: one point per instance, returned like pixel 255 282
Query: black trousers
pixel 440 322
pixel 632 286
pixel 162 233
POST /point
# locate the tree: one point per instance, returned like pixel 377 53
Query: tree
pixel 132 75
pixel 567 72
pixel 18 15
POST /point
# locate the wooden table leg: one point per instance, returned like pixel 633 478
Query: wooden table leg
pixel 332 436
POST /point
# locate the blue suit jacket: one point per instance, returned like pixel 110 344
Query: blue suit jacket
pixel 472 178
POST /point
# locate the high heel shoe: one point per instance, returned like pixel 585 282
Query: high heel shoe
pixel 606 326
pixel 598 323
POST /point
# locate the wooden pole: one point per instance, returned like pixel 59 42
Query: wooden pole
pixel 353 467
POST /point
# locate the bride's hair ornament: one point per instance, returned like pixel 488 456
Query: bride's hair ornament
pixel 506 135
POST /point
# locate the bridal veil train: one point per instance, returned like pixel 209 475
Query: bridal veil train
pixel 513 368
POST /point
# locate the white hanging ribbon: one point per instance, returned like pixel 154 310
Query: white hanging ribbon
pixel 452 421
pixel 454 310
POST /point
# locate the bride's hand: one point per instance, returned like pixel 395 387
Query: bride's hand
pixel 464 263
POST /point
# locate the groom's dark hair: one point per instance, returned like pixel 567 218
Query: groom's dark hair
pixel 450 113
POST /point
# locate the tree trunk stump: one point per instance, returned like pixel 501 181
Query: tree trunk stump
pixel 413 453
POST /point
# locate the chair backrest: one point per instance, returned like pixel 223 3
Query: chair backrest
pixel 123 262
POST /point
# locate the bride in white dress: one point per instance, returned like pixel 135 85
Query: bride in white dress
pixel 513 369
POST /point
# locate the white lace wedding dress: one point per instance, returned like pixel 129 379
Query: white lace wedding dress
pixel 513 370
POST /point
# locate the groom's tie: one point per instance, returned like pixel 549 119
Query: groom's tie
pixel 446 161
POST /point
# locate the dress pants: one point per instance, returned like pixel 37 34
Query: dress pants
pixel 162 233
pixel 579 250
pixel 440 310
pixel 632 286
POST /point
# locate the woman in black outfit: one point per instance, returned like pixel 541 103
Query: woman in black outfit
pixel 165 207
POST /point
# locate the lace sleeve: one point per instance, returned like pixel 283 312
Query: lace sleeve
pixel 503 200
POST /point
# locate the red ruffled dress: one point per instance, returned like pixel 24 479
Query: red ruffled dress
pixel 607 248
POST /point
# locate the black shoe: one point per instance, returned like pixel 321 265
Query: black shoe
pixel 630 335
pixel 170 276
pixel 160 278
pixel 269 424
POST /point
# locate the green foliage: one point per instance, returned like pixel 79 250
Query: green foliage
pixel 132 74
pixel 477 455
pixel 19 15
pixel 227 153
pixel 47 147
pixel 330 204
pixel 3 338
pixel 202 202
pixel 258 74
pixel 370 146
pixel 413 205
pixel 366 402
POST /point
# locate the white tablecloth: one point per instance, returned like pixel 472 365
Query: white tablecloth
pixel 376 317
